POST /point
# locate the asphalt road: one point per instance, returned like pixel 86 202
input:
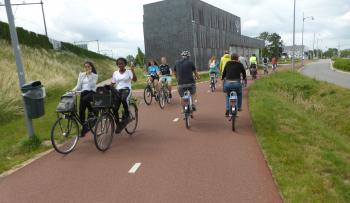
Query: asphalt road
pixel 208 163
pixel 321 71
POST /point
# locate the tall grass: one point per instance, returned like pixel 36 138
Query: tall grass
pixel 54 69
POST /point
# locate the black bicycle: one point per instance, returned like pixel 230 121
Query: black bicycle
pixel 164 93
pixel 212 82
pixel 149 92
pixel 187 107
pixel 233 109
pixel 106 121
pixel 68 127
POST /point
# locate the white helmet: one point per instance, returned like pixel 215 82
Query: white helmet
pixel 185 54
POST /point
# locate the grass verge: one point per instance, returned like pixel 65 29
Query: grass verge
pixel 303 127
pixel 342 64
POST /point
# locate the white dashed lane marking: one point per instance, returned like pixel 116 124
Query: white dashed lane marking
pixel 134 168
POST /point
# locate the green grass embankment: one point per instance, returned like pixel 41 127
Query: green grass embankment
pixel 303 127
pixel 342 64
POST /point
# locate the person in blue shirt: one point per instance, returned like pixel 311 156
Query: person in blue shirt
pixel 154 72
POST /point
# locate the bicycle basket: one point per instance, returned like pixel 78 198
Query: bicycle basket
pixel 67 103
pixel 102 98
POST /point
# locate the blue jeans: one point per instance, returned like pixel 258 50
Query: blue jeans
pixel 233 86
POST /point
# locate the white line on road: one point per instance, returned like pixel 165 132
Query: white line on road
pixel 176 120
pixel 134 168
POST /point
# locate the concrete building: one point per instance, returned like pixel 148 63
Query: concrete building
pixel 171 26
pixel 288 50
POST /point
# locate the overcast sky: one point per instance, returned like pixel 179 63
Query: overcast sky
pixel 117 24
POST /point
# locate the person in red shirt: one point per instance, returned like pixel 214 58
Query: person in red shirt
pixel 274 63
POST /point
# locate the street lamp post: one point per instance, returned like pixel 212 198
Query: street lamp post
pixel 293 49
pixel 194 43
pixel 302 39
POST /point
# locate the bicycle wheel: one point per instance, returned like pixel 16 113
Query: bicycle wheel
pixel 64 134
pixel 187 120
pixel 147 95
pixel 162 98
pixel 233 119
pixel 104 130
pixel 132 125
pixel 212 86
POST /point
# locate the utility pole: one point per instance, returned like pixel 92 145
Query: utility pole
pixel 19 64
pixel 313 47
pixel 42 10
pixel 293 50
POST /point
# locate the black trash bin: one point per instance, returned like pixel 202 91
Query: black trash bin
pixel 34 94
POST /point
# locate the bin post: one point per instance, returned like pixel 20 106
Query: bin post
pixel 19 65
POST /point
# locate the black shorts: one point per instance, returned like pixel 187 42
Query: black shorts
pixel 182 89
pixel 154 77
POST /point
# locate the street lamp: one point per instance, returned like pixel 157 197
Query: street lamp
pixel 194 43
pixel 302 38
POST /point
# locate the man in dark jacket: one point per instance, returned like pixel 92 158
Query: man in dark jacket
pixel 232 76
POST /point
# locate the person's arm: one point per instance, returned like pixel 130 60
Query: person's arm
pixel 174 72
pixel 134 77
pixel 194 69
pixel 224 73
pixel 77 87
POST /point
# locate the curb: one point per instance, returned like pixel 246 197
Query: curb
pixel 337 70
pixel 24 164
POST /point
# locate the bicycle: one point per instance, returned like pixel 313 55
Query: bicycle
pixel 253 71
pixel 164 93
pixel 233 109
pixel 187 107
pixel 212 82
pixel 105 124
pixel 65 131
pixel 266 71
pixel 149 92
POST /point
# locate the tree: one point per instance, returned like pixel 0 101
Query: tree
pixel 345 53
pixel 274 44
pixel 140 57
pixel 130 59
pixel 331 52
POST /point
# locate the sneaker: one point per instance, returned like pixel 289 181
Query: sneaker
pixel 119 129
pixel 227 113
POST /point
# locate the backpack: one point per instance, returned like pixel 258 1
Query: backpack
pixel 265 60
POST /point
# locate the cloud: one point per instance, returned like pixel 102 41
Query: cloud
pixel 118 24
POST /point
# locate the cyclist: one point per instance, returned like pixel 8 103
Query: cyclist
pixel 232 76
pixel 266 65
pixel 274 63
pixel 213 66
pixel 165 74
pixel 87 86
pixel 183 71
pixel 153 71
pixel 253 63
pixel 122 81
pixel 224 59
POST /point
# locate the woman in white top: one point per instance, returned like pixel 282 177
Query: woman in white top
pixel 87 86
pixel 122 81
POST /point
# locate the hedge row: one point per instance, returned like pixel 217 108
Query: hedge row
pixel 34 40
pixel 25 37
